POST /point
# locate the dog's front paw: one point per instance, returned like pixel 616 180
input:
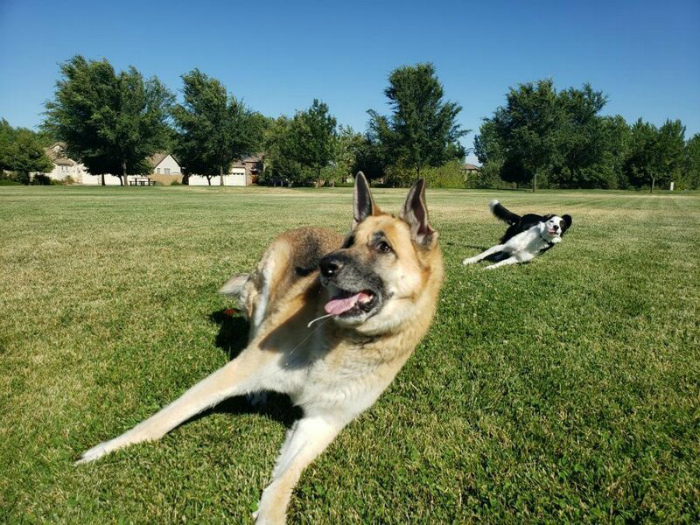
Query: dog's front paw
pixel 269 518
pixel 94 453
pixel 272 508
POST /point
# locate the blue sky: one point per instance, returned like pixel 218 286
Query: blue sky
pixel 278 56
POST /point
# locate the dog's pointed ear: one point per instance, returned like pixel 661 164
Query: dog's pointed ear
pixel 415 213
pixel 568 221
pixel 363 203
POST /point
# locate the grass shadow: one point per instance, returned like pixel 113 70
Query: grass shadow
pixel 233 332
pixel 232 338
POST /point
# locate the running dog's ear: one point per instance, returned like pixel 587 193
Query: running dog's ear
pixel 363 204
pixel 568 221
pixel 415 213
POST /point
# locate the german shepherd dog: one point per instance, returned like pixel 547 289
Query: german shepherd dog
pixel 373 294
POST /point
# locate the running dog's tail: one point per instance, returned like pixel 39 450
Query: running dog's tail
pixel 503 213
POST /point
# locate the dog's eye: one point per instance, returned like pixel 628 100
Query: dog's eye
pixel 383 247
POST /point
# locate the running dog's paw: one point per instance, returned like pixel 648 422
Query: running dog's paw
pixel 470 260
pixel 94 453
pixel 266 519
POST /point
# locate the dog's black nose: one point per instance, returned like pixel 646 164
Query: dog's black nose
pixel 330 265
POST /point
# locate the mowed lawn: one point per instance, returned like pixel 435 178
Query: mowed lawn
pixel 564 390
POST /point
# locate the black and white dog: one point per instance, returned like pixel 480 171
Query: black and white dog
pixel 525 238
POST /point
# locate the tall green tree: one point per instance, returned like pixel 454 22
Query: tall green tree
pixel 313 138
pixel 422 129
pixel 111 122
pixel 21 152
pixel 344 158
pixel 656 155
pixel 370 158
pixel 581 141
pixel 7 134
pixel 279 166
pixel 527 128
pixel 691 168
pixel 214 127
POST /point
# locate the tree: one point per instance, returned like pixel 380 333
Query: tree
pixel 370 159
pixel 422 129
pixel 691 168
pixel 21 152
pixel 655 154
pixel 581 142
pixel 347 143
pixel 110 122
pixel 214 127
pixel 527 130
pixel 279 167
pixel 7 135
pixel 313 138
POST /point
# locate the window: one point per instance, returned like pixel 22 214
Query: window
pixel 157 170
pixel 167 171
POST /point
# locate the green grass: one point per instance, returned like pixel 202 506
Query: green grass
pixel 564 390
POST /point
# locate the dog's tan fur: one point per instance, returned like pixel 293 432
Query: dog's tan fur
pixel 337 368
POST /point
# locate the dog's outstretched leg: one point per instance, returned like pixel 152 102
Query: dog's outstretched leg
pixel 506 262
pixel 483 255
pixel 237 377
pixel 306 440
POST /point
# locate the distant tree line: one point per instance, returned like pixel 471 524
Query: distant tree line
pixel 113 122
pixel 545 138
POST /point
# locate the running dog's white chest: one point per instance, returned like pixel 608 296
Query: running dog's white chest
pixel 528 241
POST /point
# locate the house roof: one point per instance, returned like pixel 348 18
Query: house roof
pixel 253 158
pixel 56 156
pixel 468 166
pixel 155 159
pixel 250 159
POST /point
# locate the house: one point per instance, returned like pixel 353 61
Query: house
pixel 470 169
pixel 165 168
pixel 242 172
pixel 253 166
pixel 63 167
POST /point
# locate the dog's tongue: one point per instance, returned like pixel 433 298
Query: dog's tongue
pixel 338 306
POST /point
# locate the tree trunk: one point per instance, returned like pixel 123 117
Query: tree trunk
pixel 534 183
pixel 653 180
pixel 185 179
pixel 221 175
pixel 103 179
pixel 209 179
pixel 123 177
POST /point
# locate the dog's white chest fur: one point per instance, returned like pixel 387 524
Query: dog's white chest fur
pixel 531 242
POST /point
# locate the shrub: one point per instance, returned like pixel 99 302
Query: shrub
pixel 450 175
pixel 40 180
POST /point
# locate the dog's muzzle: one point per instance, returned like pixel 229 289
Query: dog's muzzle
pixel 352 294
